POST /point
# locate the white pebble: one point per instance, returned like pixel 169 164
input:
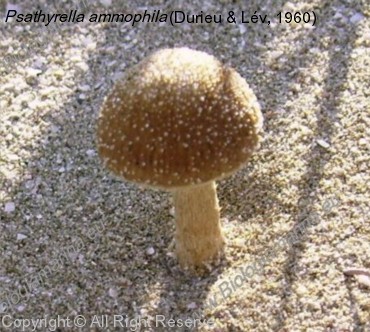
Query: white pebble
pixel 90 153
pixel 9 207
pixel 240 243
pixel 31 72
pixel 38 62
pixel 21 237
pixel 362 142
pixel 29 184
pixel 323 143
pixel 83 66
pixel 242 29
pixel 84 88
pixel 21 308
pixel 192 305
pixel 112 293
pixel 364 280
pixel 106 3
pixel 13 157
pixel 276 54
pixel 89 43
pixel 150 251
pixel 356 18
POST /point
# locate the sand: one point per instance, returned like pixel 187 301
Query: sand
pixel 77 241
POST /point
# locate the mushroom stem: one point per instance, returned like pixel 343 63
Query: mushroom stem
pixel 198 234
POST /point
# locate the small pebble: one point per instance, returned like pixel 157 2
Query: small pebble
pixel 90 153
pixel 21 237
pixel 31 72
pixel 9 207
pixel 276 54
pixel 364 280
pixel 106 3
pixel 81 96
pixel 362 142
pixel 242 29
pixel 21 308
pixel 59 73
pixel 323 143
pixel 192 305
pixel 239 243
pixel 356 18
pixel 84 88
pixel 13 157
pixel 150 251
pixel 112 292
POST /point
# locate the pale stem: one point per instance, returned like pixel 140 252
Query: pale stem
pixel 199 238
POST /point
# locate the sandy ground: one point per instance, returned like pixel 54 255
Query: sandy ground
pixel 76 241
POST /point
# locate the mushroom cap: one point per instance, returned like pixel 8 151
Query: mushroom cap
pixel 178 118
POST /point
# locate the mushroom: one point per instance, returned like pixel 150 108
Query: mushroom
pixel 178 121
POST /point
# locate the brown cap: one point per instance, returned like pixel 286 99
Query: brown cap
pixel 178 118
